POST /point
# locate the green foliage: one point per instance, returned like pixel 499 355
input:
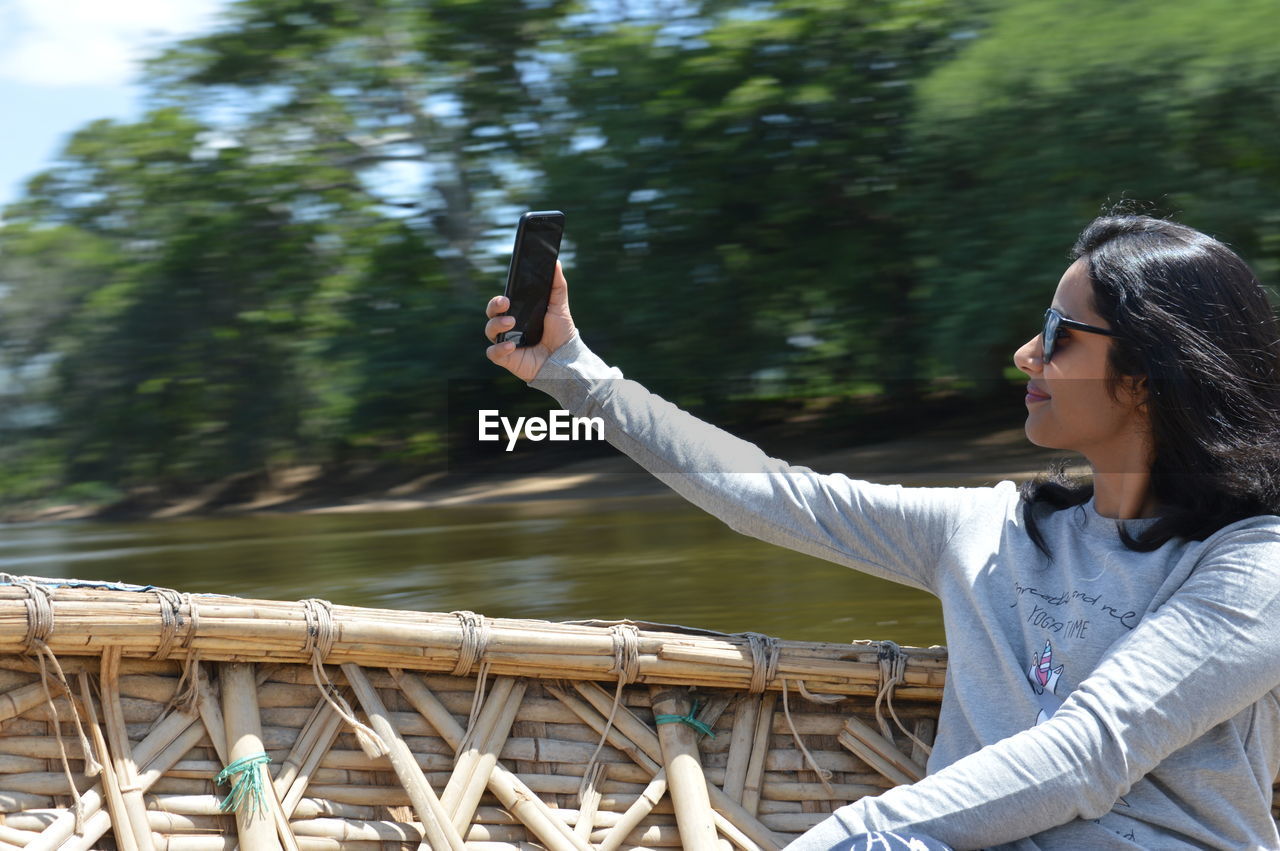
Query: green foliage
pixel 1056 112
pixel 741 186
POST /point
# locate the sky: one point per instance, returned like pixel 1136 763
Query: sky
pixel 64 63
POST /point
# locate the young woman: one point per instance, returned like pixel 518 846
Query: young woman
pixel 1114 643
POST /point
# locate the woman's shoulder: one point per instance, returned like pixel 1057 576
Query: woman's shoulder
pixel 1251 542
pixel 1258 528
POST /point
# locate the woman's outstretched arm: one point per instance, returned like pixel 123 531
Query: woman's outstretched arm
pixel 890 531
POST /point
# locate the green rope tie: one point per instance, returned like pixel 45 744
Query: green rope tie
pixel 689 720
pixel 247 785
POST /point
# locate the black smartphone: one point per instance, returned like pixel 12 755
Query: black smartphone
pixel 533 265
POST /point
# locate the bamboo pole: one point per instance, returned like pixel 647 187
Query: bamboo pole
pixel 744 724
pixel 20 700
pixel 732 819
pixel 16 802
pixel 176 734
pixel 659 836
pixel 290 766
pixel 924 737
pixel 321 737
pixel 13 836
pixel 211 714
pixel 612 840
pixel 684 772
pixel 487 755
pixel 510 790
pixel 878 752
pixel 94 826
pixel 439 830
pixel 589 801
pixel 467 760
pixel 110 783
pixel 134 811
pixel 284 831
pixel 257 831
pixel 208 805
pixel 167 823
pixel 752 781
pixel 228 629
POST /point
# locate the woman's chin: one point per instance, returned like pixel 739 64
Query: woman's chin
pixel 1036 434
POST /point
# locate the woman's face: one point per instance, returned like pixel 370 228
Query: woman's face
pixel 1068 403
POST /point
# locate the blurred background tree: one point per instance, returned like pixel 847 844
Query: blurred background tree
pixel 283 263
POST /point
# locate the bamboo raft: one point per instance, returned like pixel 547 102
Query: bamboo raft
pixel 141 718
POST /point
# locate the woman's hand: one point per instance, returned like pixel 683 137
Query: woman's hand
pixel 557 328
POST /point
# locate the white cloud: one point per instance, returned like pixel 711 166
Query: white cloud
pixel 55 43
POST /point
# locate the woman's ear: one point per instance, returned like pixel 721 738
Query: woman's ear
pixel 1141 389
pixel 1137 388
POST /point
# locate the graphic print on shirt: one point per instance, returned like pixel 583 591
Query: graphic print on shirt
pixel 1044 682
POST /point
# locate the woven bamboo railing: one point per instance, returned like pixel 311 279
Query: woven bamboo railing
pixel 358 728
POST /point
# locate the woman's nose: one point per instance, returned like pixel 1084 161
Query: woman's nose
pixel 1027 358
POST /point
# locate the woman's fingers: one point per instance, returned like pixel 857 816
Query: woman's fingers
pixel 559 288
pixel 499 352
pixel 496 305
pixel 497 325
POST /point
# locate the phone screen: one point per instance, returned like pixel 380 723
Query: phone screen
pixel 533 265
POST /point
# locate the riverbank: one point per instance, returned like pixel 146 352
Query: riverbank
pixel 965 451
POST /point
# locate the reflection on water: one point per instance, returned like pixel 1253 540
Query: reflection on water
pixel 653 558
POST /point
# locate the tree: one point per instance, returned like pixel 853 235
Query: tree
pixel 1056 113
pixel 740 168
pixel 171 326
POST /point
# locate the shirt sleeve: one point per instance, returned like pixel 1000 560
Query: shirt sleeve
pixel 1197 661
pixel 890 531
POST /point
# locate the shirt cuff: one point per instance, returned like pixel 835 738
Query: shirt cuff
pixel 572 372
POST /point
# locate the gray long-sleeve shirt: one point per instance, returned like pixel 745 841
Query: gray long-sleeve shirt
pixel 1104 699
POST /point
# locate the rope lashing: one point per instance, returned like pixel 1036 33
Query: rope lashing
pixel 471 648
pixel 321 635
pixel 690 720
pixel 818 698
pixel 626 665
pixel 824 775
pixel 626 652
pixel 764 651
pixel 477 703
pixel 893 670
pixel 170 619
pixel 475 640
pixel 246 786
pixel 39 605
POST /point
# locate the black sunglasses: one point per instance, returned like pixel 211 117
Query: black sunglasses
pixel 1054 322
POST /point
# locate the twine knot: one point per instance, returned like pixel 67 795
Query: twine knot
pixel 475 639
pixel 893 671
pixel 247 784
pixel 626 651
pixel 764 660
pixel 690 720
pixel 321 635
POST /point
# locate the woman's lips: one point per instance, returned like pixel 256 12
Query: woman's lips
pixel 1035 394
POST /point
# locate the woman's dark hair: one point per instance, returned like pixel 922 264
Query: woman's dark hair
pixel 1192 318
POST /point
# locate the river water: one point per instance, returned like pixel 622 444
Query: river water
pixel 652 558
